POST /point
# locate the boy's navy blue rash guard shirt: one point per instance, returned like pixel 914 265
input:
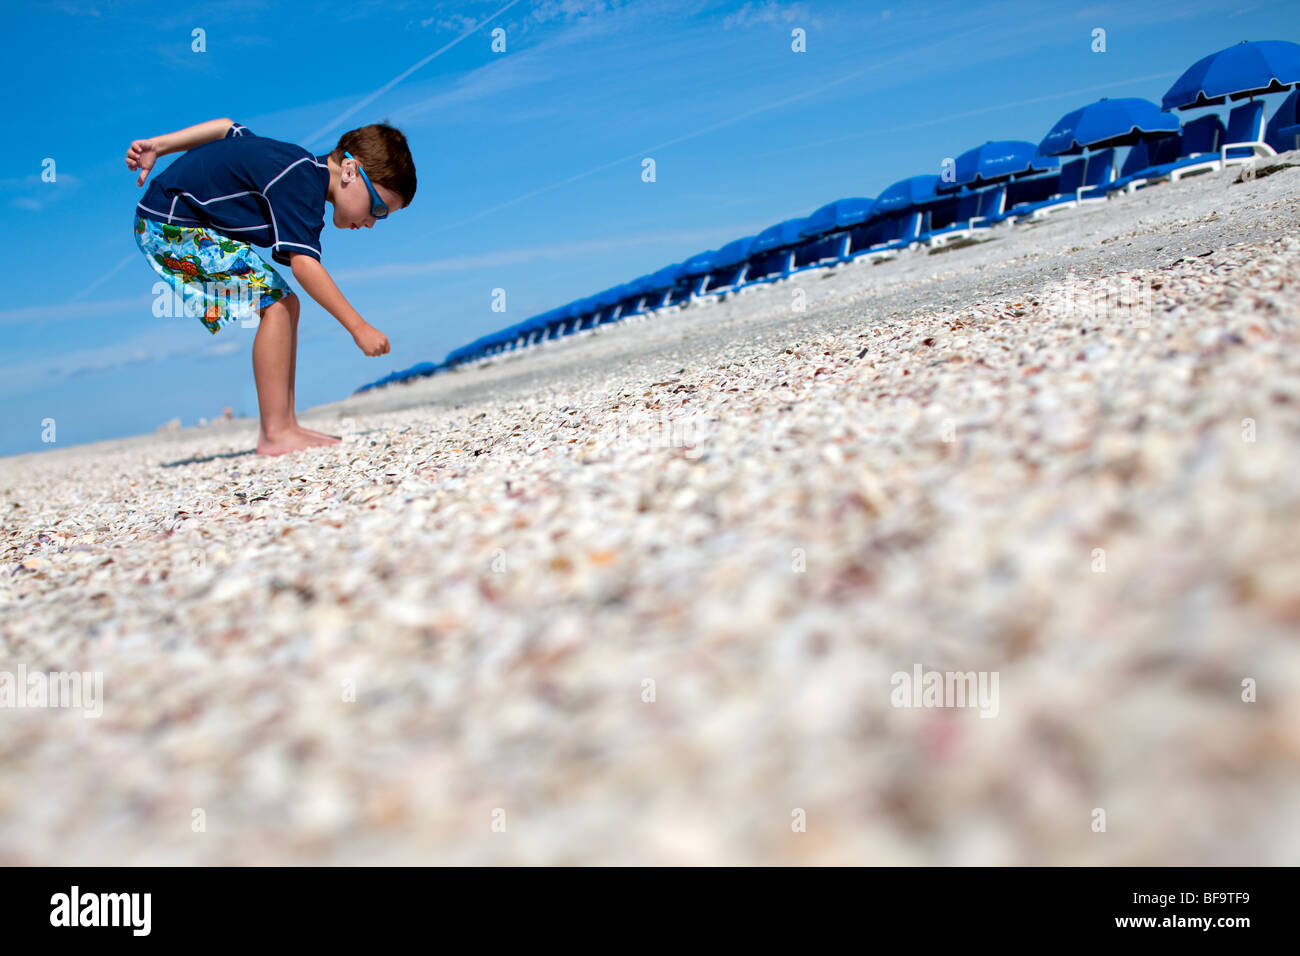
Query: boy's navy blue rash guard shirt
pixel 257 190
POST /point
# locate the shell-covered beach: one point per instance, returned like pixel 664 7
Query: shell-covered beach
pixel 640 595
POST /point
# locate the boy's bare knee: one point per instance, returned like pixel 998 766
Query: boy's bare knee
pixel 289 303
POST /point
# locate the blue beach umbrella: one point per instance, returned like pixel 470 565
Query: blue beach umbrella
pixel 638 285
pixel 523 328
pixel 1247 69
pixel 840 214
pixel 539 322
pixel 625 292
pixel 665 278
pixel 635 289
pixel 507 335
pixel 691 276
pixel 609 298
pixel 618 293
pixel 565 313
pixel 907 193
pixel 1041 164
pixel 587 309
pixel 631 296
pixel 1106 123
pixel 700 264
pixel 777 237
pixel 605 302
pixel 733 253
pixel 657 285
pixel 1001 159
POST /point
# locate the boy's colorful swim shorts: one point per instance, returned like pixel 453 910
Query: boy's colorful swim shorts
pixel 215 278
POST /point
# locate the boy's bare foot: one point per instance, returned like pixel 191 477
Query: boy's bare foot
pixel 284 442
pixel 333 439
pixel 318 438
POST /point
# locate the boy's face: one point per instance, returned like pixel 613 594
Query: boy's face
pixel 352 200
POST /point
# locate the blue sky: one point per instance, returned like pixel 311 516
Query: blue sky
pixel 529 161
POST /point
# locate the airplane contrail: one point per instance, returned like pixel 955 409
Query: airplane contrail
pixel 403 75
pixel 86 289
pixel 669 142
pixel 336 121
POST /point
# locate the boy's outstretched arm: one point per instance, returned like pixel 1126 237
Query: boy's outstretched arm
pixel 143 153
pixel 318 284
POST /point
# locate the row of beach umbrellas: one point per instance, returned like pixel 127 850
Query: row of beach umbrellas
pixel 1239 72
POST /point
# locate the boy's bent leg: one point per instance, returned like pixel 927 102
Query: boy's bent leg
pixel 292 302
pixel 272 366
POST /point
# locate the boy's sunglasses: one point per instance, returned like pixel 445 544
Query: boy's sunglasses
pixel 378 208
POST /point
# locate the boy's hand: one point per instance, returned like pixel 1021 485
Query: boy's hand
pixel 316 282
pixel 370 340
pixel 142 155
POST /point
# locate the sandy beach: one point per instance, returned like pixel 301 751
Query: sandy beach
pixel 640 595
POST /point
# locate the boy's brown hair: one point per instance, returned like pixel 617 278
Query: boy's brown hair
pixel 383 153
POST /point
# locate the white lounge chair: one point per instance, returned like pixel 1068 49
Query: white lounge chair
pixel 1244 141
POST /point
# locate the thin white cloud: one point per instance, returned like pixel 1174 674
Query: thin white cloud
pixel 548 10
pixel 524 66
pixel 769 13
pixel 59 311
pixel 555 250
pixel 949 117
pixel 367 100
pixel 903 38
pixel 229 347
pixel 507 74
pixel 501 75
pixel 650 150
pixel 164 340
pixel 73 9
pixel 456 22
pixel 34 181
pixel 37 193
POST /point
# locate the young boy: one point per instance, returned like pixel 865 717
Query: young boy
pixel 234 189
